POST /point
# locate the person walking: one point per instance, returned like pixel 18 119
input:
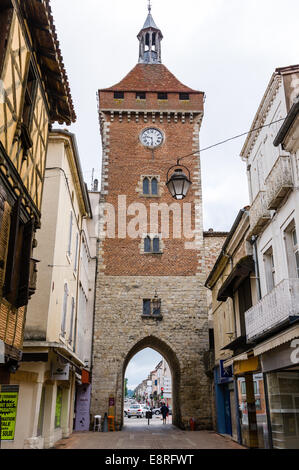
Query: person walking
pixel 164 411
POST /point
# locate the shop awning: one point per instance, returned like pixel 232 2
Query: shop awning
pixel 240 357
pixel 277 340
pixel 242 269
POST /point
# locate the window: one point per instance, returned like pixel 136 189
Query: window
pixel 58 407
pixel 64 309
pixel 150 186
pixel 156 245
pixel 16 288
pixel 72 321
pixel 295 250
pixel 292 250
pixel 151 307
pixel 269 269
pixel 140 95
pixel 152 245
pixel 70 234
pixel 184 96
pixel 146 186
pixel 147 245
pixel 118 95
pixel 162 96
pixel 76 252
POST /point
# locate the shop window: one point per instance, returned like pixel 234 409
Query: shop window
pixel 58 407
pixel 41 414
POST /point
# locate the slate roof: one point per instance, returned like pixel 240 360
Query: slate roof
pixel 151 77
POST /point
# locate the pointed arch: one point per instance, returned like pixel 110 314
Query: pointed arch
pixel 163 348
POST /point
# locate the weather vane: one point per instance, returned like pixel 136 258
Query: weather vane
pixel 149 5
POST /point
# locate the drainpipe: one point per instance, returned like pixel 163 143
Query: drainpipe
pixel 256 266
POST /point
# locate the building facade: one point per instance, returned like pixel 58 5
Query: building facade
pixel 150 284
pixel 34 93
pixel 54 375
pixel 261 361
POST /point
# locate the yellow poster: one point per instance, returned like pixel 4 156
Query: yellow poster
pixel 8 413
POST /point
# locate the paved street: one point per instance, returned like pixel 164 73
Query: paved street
pixel 137 434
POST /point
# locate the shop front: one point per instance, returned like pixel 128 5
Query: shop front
pixel 280 366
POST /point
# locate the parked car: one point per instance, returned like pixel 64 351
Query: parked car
pixel 144 409
pixel 134 410
pixel 156 411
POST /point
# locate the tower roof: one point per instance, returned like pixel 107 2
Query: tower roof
pixel 149 22
pixel 151 77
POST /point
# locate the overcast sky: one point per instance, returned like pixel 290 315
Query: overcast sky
pixel 140 366
pixel 226 48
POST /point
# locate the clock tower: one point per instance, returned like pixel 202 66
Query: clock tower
pixel 151 269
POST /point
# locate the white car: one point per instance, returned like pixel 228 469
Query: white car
pixel 134 410
pixel 144 409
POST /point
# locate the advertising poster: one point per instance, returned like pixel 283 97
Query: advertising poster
pixel 8 413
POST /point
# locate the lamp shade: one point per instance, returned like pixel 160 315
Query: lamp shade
pixel 178 184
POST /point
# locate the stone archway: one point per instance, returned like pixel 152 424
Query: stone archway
pixel 169 355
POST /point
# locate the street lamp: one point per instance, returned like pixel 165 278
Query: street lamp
pixel 178 184
pixel 156 304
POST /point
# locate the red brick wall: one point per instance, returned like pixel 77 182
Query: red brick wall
pixel 128 160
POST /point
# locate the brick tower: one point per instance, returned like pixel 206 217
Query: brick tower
pixel 150 286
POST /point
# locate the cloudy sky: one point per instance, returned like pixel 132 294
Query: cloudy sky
pixel 226 48
pixel 139 367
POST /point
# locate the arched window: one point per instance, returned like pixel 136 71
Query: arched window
pixel 147 245
pixel 156 245
pixel 145 186
pixel 154 184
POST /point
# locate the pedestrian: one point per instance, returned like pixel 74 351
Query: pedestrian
pixel 164 411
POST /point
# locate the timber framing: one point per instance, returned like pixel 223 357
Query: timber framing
pixel 38 24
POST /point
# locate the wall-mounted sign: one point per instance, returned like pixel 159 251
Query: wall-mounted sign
pixel 225 372
pixel 60 369
pixel 8 410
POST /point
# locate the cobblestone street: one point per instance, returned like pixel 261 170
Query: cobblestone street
pixel 137 434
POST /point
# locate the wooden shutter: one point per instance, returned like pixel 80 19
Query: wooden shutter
pixel 12 246
pixel 4 237
pixel 23 288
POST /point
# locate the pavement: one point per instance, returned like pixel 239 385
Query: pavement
pixel 137 434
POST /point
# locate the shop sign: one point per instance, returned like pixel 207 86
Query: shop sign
pixel 60 370
pixel 8 411
pixel 225 372
pixel 249 365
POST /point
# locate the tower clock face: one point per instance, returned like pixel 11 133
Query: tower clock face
pixel 151 137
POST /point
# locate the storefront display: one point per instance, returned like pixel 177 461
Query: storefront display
pixel 283 392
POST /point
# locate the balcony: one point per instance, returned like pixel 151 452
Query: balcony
pixel 259 214
pixel 273 310
pixel 279 182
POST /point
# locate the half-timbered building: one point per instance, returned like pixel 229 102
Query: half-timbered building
pixel 34 93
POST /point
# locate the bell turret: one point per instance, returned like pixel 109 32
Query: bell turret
pixel 150 38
